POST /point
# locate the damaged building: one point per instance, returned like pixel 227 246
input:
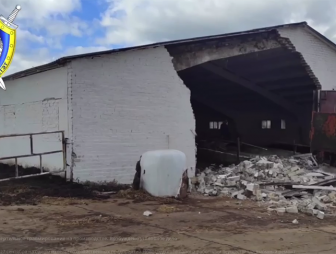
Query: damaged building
pixel 115 105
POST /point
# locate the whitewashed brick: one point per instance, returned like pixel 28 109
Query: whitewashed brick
pixel 124 105
pixel 319 56
pixel 35 103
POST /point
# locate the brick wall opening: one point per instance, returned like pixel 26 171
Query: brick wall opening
pixel 225 110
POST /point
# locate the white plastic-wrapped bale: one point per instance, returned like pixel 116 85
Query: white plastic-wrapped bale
pixel 162 172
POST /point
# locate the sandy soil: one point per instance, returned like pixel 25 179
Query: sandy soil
pixel 196 225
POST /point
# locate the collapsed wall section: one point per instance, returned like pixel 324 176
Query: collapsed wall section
pixel 124 105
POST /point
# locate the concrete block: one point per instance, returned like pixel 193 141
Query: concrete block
pixel 236 193
pixel 225 191
pixel 332 196
pixel 241 197
pixel 250 187
pixel 243 182
pixel 247 164
pixel 207 171
pixel 273 196
pixel 294 168
pixel 220 180
pixel 230 183
pixel 292 209
pixel 311 206
pixel 295 221
pixel 213 193
pixel 259 195
pixel 147 213
pixel 270 187
pixel 233 178
pixel 320 215
pixel 281 210
pixel 319 204
pixel 264 164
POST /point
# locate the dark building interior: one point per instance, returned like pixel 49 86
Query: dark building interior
pixel 266 97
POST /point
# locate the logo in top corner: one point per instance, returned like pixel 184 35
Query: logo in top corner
pixel 7 42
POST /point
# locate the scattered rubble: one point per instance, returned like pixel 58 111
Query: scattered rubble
pixel 286 185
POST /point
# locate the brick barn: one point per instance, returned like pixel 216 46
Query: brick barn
pixel 115 105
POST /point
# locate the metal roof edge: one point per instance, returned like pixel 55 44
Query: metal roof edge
pixel 63 60
pixel 287 43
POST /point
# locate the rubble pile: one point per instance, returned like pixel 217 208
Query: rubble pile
pixel 278 183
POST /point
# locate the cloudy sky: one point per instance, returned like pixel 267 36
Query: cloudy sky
pixel 49 29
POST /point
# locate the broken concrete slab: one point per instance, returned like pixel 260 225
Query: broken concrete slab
pixel 320 215
pixel 295 221
pixel 241 197
pixel 236 193
pixel 318 204
pixel 292 209
pixel 281 210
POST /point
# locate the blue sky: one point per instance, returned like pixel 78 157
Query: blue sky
pixel 50 29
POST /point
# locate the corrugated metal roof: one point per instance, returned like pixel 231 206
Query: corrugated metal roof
pixel 62 61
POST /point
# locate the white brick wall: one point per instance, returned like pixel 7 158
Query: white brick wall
pixel 124 105
pixel 320 57
pixel 36 103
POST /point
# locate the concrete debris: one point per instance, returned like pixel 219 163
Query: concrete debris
pixel 295 221
pixel 147 213
pixel 241 197
pixel 320 215
pixel 264 179
pixel 281 210
pixel 292 209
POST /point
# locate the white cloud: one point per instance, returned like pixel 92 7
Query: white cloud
pixel 39 11
pixel 72 26
pixel 25 35
pixel 37 18
pixel 141 21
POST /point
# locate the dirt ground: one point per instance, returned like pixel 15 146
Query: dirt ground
pixel 195 225
pixel 49 215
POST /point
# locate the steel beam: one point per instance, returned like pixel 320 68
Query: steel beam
pixel 249 85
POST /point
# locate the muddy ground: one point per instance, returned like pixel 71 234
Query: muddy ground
pixel 86 224
pixel 32 190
